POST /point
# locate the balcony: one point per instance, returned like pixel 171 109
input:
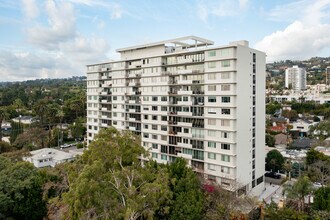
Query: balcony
pixel 131 119
pixel 185 113
pixel 185 156
pixel 185 92
pixel 104 125
pixel 187 71
pixel 172 133
pixel 173 92
pixel 173 82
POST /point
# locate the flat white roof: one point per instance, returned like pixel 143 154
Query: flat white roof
pixel 188 42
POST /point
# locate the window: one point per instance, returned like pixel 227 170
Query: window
pixel 114 97
pixel 154 117
pixel 212 99
pixel 211 121
pixel 211 133
pixel 163 128
pixel 145 135
pixel 212 144
pixel 224 52
pixel 211 76
pixel 225 99
pixel 146 117
pixel 212 87
pixel 225 123
pixel 163 148
pixel 225 170
pixel 187 151
pixel 212 64
pixel 186 130
pixel 211 156
pixel 114 114
pixel 225 146
pixel 154 127
pixel 224 135
pixel 225 63
pixel 225 111
pixel 154 136
pixel 185 109
pixel 212 111
pixel 155 146
pixel 225 87
pixel 163 108
pixel 260 180
pixel 155 155
pixel 154 98
pixel 154 108
pixel 163 157
pixel 145 98
pixel 212 53
pixel 211 178
pixel 164 118
pixel 211 166
pixel 185 141
pixel 163 137
pixel 225 75
pixel 225 158
pixel 164 98
pixel 185 98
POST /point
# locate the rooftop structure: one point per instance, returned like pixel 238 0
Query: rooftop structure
pixel 49 157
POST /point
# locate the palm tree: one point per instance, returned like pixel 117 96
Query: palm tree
pixel 40 109
pixel 60 116
pixel 3 116
pixel 299 190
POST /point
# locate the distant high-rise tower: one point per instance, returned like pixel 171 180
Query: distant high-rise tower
pixel 327 75
pixel 295 78
pixel 187 98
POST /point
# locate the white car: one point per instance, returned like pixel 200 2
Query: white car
pixel 65 145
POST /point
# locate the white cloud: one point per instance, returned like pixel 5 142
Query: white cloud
pixel 297 41
pixel 84 51
pixel 243 3
pixel 61 27
pixel 114 9
pixel 220 8
pixel 306 36
pixel 59 50
pixel 307 11
pixel 30 8
pixel 22 65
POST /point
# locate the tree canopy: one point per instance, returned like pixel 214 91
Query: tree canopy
pixel 274 160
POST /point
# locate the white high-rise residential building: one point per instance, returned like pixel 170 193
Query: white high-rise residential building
pixel 295 78
pixel 327 75
pixel 187 98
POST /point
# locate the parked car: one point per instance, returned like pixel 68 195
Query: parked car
pixel 65 145
pixel 273 175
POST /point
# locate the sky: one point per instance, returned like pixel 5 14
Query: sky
pixel 58 38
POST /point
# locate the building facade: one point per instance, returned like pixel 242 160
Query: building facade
pixel 187 98
pixel 295 78
pixel 327 75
